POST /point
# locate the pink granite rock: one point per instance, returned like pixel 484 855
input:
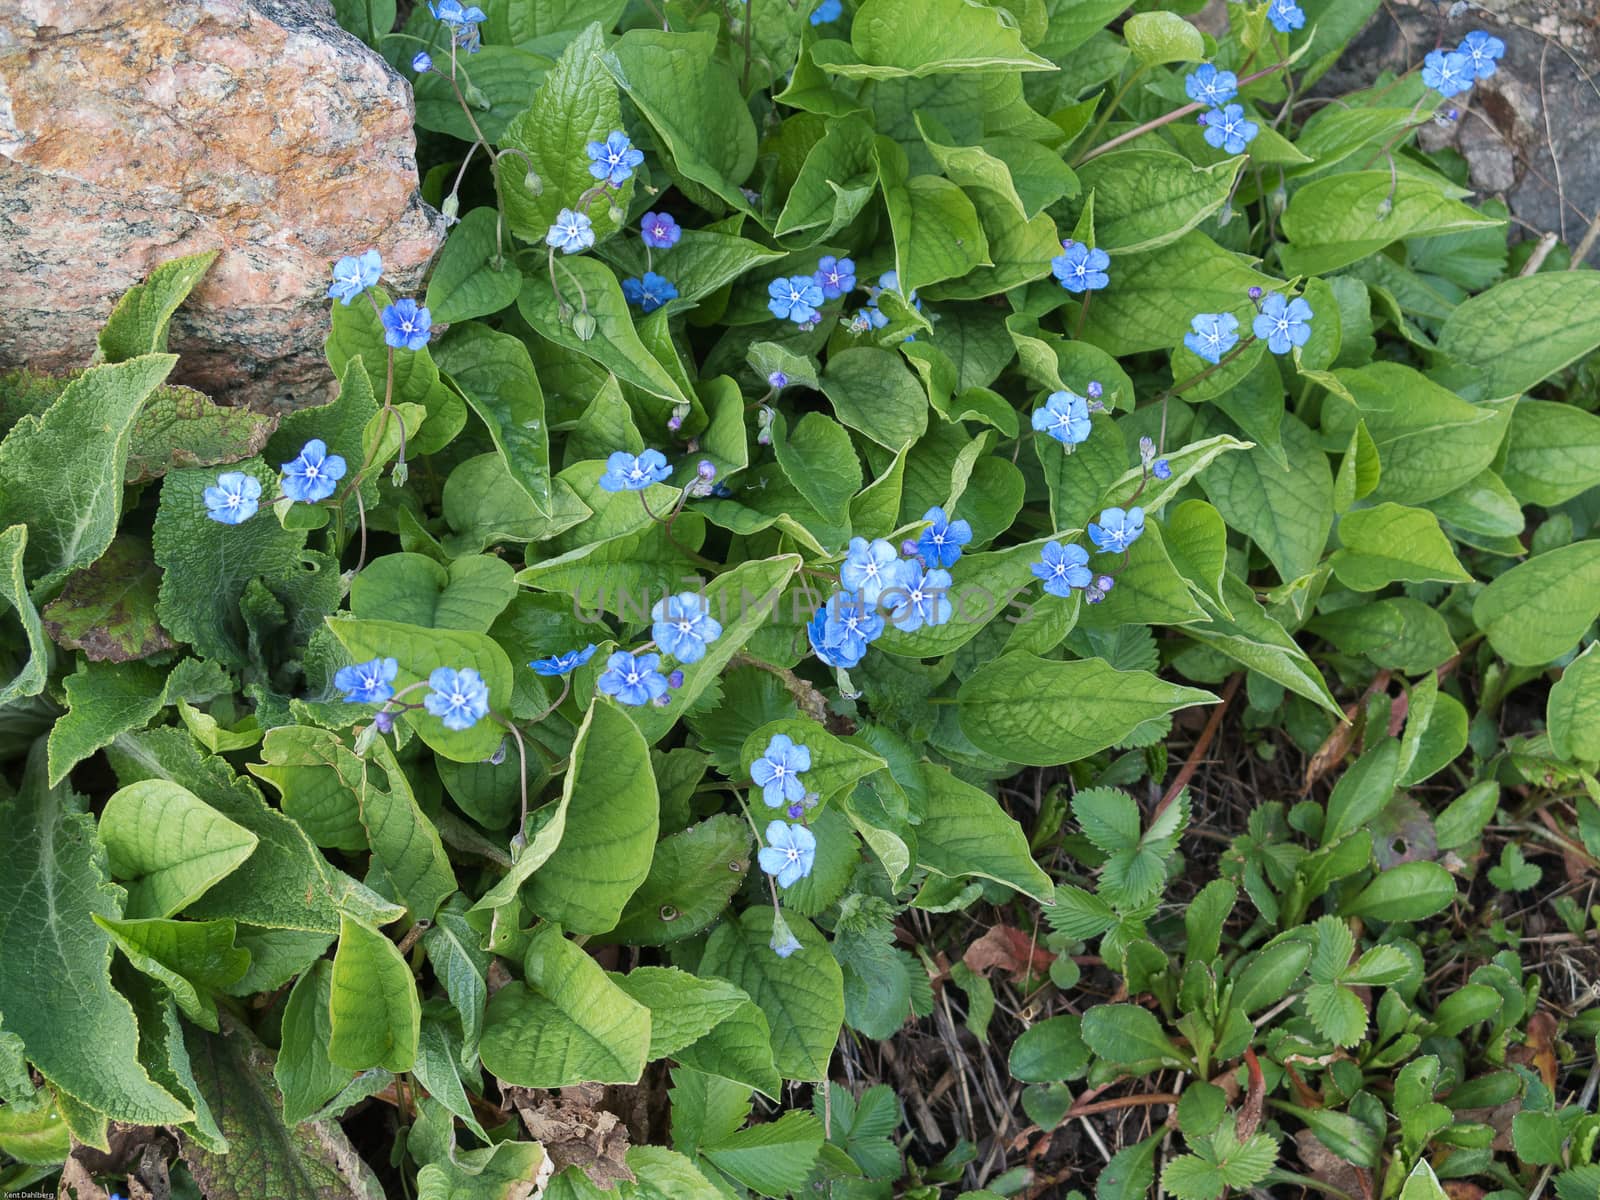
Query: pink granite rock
pixel 132 131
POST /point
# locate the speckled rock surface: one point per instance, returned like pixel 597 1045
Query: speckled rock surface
pixel 132 131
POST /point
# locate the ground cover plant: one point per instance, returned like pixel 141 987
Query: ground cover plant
pixel 773 601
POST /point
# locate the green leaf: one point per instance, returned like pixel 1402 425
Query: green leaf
pixel 873 390
pixel 305 1076
pixel 820 461
pixel 837 178
pixel 1393 544
pixel 404 842
pixel 169 846
pixel 568 1024
pixel 1429 440
pixel 415 590
pixel 1333 221
pixel 1220 1163
pixel 192 958
pixel 1411 891
pixel 138 324
pixel 1044 713
pixel 467 282
pixel 55 979
pixel 894 38
pixel 693 103
pixel 693 875
pixel 180 427
pixel 773 1159
pixel 936 231
pixel 500 1171
pixel 1285 508
pixel 1363 791
pixel 455 952
pixel 31 674
pixel 103 700
pixel 61 473
pixel 496 375
pixel 419 652
pixel 1163 37
pixel 1400 633
pixel 1572 712
pixel 517 21
pixel 506 77
pixel 233 1074
pixel 802 995
pixel 836 765
pixel 1050 1050
pixel 206 565
pixel 1156 294
pixel 612 814
pixel 1248 634
pixel 319 782
pixel 1029 176
pixel 1525 329
pixel 683 1008
pixel 1552 452
pixel 1151 197
pixel 373 1011
pixel 1539 609
pixel 1127 1035
pixel 577 103
pixel 108 609
pixel 964 831
pixel 1019 251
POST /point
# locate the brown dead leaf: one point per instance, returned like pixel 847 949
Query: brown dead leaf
pixel 1539 1051
pixel 1010 949
pixel 1460 1189
pixel 1324 1165
pixel 1338 743
pixel 575 1132
pixel 1255 1098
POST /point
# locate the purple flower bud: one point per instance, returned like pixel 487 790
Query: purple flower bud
pixel 663 700
pixel 674 423
pixel 384 721
pixel 1104 582
pixel 795 811
pixel 778 380
pixel 1093 595
pixel 1255 293
pixel 706 470
pixel 1200 120
pixel 1147 450
pixel 1094 389
pixel 1066 243
pixel 1453 113
pixel 1162 469
pixel 908 548
pixel 675 680
pixel 422 63
pixel 499 755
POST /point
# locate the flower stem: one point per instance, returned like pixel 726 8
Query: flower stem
pixel 1176 114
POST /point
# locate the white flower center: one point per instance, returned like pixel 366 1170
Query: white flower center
pixel 792 854
pixel 685 627
pixel 633 677
pixel 779 770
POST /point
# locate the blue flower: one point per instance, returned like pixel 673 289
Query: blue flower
pixel 826 12
pixel 1062 568
pixel 458 698
pixel 684 626
pixel 783 943
pixel 1065 417
pixel 835 276
pixel 923 598
pixel 406 324
pixel 314 475
pixel 659 230
pixel 1214 334
pixel 889 281
pixel 563 664
pixel 1284 323
pixel 1228 129
pixel 842 629
pixel 777 772
pixel 1448 72
pixel 422 62
pixel 354 274
pixel 1161 469
pixel 940 543
pixel 462 20
pixel 1209 86
pixel 1116 529
pixel 633 681
pixel 869 568
pixel 634 472
pixel 790 849
pixel 1080 269
pixel 797 299
pixel 1483 50
pixel 1286 16
pixel 368 682
pixel 649 293
pixel 232 499
pixel 572 232
pixel 777 381
pixel 614 159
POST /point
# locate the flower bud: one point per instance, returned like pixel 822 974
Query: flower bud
pixel 908 548
pixel 674 423
pixel 1162 469
pixel 1095 390
pixel 422 63
pixel 384 721
pixel 1255 293
pixel 616 214
pixel 1104 582
pixel 706 469
pixel 450 207
pixel 778 380
pixel 675 680
pixel 400 474
pixel 663 700
pixel 1147 450
pixel 533 183
pixel 583 326
pixel 795 811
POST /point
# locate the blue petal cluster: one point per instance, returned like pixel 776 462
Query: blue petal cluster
pixel 1283 323
pixel 354 274
pixel 788 856
pixel 314 475
pixel 1117 528
pixel 633 680
pixel 459 698
pixel 1209 86
pixel 572 232
pixel 1212 335
pixel 368 682
pixel 563 664
pixel 777 772
pixel 659 230
pixel 634 472
pixel 613 160
pixel 1229 129
pixel 650 292
pixel 234 498
pixel 941 542
pixel 684 626
pixel 1065 417
pixel 1078 268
